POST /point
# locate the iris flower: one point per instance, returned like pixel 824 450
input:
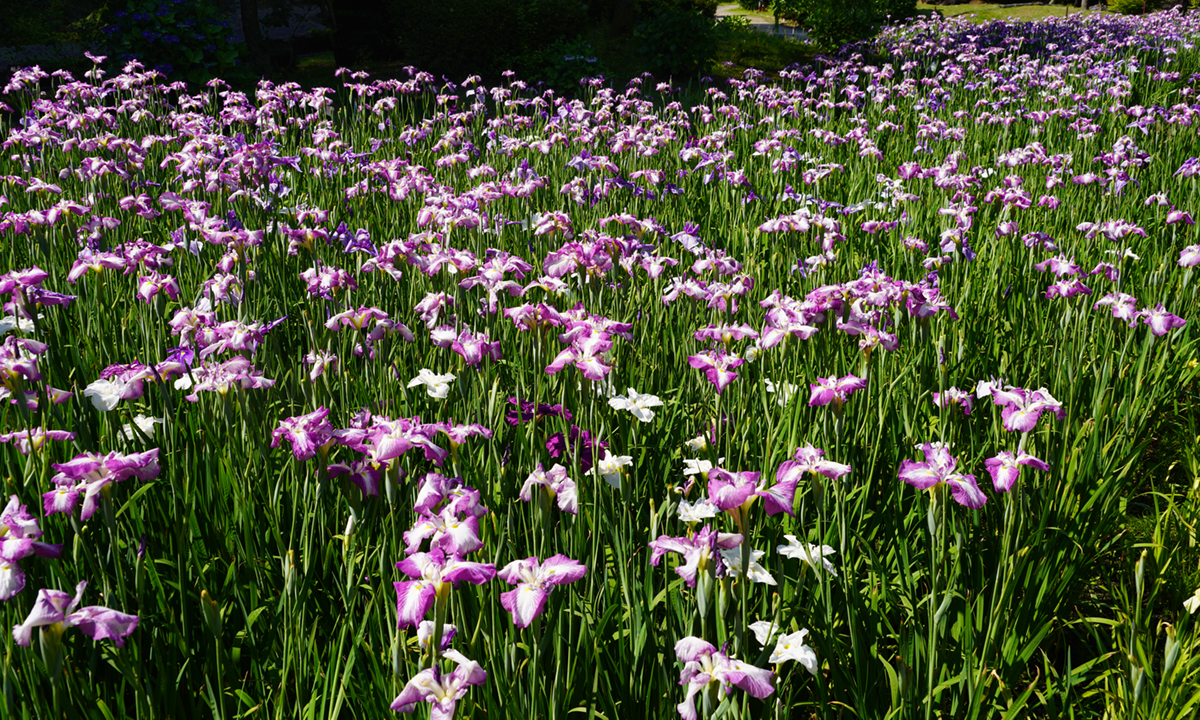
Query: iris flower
pixel 104 394
pixel 19 533
pixel 699 552
pixel 810 459
pixel 437 386
pixel 434 574
pixel 363 474
pixel 717 367
pixel 1023 408
pixel 808 553
pixel 1189 256
pixel 733 491
pixel 534 581
pixel 441 690
pixel 1160 321
pixel 954 396
pixel 450 533
pixel 637 404
pixel 305 433
pixel 757 573
pixel 704 665
pixel 1123 306
pixel 1005 468
pixel 145 425
pixel 436 489
pixel 556 484
pixel 27 441
pixel 792 647
pixel 834 390
pixel 611 468
pixel 88 474
pixel 787 646
pixel 57 607
pixel 938 468
pixel 425 634
pixel 701 511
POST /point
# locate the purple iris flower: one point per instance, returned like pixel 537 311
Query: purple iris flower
pixel 699 551
pixel 56 606
pixel 306 433
pixel 392 438
pixel 1123 305
pixel 27 441
pixel 731 491
pixel 809 459
pixel 717 366
pixel 534 581
pixel 1189 256
pixel 705 665
pixel 450 493
pixel 1023 408
pixel 1005 468
pixel 441 690
pixel 446 531
pixel 556 484
pixel 954 396
pixel 939 467
pixel 363 474
pixel 1160 321
pixel 89 473
pixel 834 390
pixel 20 533
pixel 222 377
pixel 526 410
pixel 434 573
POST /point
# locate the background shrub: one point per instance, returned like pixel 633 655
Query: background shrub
pixel 834 23
pixel 457 38
pixel 1130 7
pixel 183 39
pixel 566 62
pixel 676 42
pixel 43 22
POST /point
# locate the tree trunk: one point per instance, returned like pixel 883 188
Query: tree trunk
pixel 254 39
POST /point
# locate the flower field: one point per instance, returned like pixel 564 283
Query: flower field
pixel 826 395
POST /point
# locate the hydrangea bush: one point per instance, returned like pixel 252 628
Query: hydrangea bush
pixel 818 395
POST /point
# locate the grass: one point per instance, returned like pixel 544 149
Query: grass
pixel 983 12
